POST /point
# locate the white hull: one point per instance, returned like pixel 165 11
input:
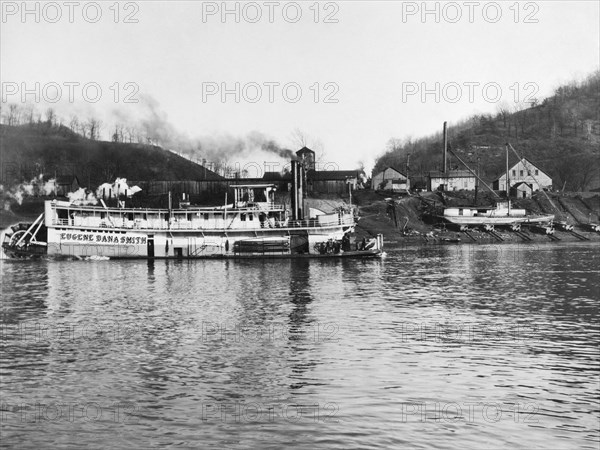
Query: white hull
pixel 501 214
pixel 124 243
pixel 497 221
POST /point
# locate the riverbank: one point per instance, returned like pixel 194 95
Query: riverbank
pixel 403 222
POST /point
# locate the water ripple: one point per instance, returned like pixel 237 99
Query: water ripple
pixel 453 347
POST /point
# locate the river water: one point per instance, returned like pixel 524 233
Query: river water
pixel 454 347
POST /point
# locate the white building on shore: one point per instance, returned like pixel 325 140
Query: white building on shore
pixel 526 172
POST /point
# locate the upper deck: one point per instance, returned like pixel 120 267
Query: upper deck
pixel 251 216
pixel 253 208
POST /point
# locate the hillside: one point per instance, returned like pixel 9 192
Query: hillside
pixel 54 150
pixel 560 134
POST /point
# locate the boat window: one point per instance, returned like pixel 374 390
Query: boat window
pixel 537 172
pixel 103 215
pixel 259 195
pixel 514 173
pixel 520 172
pixel 130 216
pixel 460 212
pixel 205 216
pixel 243 217
pixel 250 216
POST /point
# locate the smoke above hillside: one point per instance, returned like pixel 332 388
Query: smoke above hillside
pixel 146 122
pixel 152 124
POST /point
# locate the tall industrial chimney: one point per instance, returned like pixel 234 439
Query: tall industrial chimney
pixel 445 162
pixel 297 191
pixel 300 171
pixel 294 190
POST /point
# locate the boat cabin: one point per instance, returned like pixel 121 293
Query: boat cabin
pixel 253 208
pixel 261 195
pixel 501 209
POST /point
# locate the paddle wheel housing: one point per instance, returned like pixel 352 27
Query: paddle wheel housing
pixel 26 240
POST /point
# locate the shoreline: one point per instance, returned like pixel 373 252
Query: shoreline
pixel 375 218
pixel 395 239
pixel 483 239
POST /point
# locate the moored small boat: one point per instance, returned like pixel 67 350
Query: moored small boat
pixel 500 215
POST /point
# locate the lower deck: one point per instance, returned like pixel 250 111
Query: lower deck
pixel 139 244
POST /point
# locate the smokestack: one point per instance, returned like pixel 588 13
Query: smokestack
pixel 297 191
pixel 300 172
pixel 444 162
pixel 294 190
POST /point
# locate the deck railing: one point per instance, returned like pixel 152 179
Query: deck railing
pixel 118 222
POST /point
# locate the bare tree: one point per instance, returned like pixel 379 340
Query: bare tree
pixel 503 112
pixel 115 135
pixel 588 127
pixel 50 116
pixel 30 114
pixel 119 133
pixel 12 116
pixel 74 124
pixel 572 115
pixel 585 171
pixel 94 126
pixel 301 139
pixel 520 117
pixel 139 137
pixel 83 129
pixel 394 144
pixel 130 133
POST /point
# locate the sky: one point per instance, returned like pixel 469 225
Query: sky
pixel 346 75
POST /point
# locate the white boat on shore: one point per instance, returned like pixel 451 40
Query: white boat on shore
pixel 500 215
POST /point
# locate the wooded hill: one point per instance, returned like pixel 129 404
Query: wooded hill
pixel 29 150
pixel 560 134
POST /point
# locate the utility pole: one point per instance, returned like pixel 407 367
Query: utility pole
pixel 477 179
pixel 407 169
pixel 445 154
pixel 349 183
pixel 507 181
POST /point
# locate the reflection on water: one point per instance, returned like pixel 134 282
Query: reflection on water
pixel 454 347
